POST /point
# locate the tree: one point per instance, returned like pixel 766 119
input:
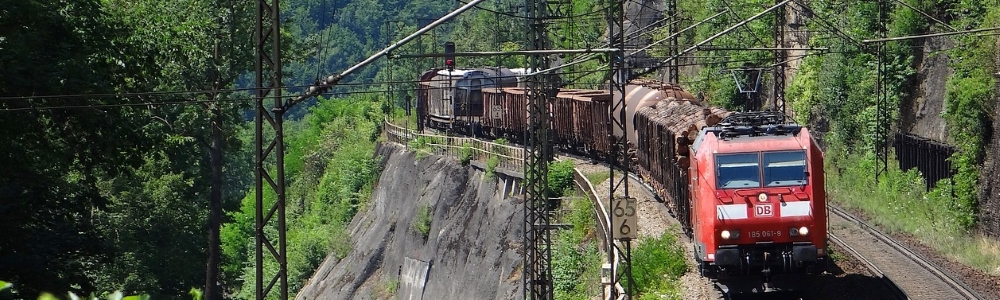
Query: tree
pixel 54 158
pixel 203 46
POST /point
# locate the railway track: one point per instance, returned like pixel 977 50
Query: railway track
pixel 901 281
pixel 886 282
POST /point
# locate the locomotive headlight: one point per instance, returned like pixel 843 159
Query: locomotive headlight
pixel 803 231
pixel 762 197
pixel 726 234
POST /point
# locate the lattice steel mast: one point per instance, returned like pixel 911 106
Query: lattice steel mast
pixel 537 278
pixel 673 69
pixel 882 103
pixel 268 83
pixel 779 58
pixel 618 158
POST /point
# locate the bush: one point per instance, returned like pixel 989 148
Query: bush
pixel 465 154
pixel 655 260
pixel 422 221
pixel 491 165
pixel 560 178
pixel 576 261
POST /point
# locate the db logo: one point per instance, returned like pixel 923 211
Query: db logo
pixel 763 210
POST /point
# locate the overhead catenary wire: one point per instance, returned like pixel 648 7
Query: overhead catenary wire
pixel 825 23
pixel 925 14
pixel 324 85
pixel 165 93
pixel 910 37
pixel 334 94
pixel 711 38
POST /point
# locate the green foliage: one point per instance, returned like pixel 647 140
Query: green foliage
pixel 713 80
pixel 597 178
pixel 969 96
pixel 657 263
pixel 560 177
pixel 388 288
pixel 422 145
pixel 465 154
pixel 576 260
pixel 422 221
pixel 842 83
pixel 899 203
pixel 332 183
pixel 491 165
pixel 802 92
pixel 566 266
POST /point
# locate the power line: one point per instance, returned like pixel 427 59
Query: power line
pixel 97 106
pixel 825 22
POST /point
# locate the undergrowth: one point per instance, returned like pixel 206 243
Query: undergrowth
pixel 657 265
pixel 898 203
pixel 576 258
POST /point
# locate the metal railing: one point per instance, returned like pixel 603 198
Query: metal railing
pixel 600 210
pixel 507 157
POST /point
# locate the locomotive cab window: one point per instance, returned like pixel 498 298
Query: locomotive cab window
pixel 785 168
pixel 738 170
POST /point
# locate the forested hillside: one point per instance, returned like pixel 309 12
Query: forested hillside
pixel 124 123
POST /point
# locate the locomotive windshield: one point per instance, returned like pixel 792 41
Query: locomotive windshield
pixel 785 168
pixel 738 170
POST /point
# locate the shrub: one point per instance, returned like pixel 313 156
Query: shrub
pixel 422 221
pixel 560 177
pixel 656 259
pixel 491 165
pixel 465 154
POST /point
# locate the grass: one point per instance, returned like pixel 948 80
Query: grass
pixel 899 203
pixel 422 146
pixel 466 154
pixel 491 166
pixel 387 289
pixel 597 178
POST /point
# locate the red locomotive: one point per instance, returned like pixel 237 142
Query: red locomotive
pixel 748 187
pixel 757 197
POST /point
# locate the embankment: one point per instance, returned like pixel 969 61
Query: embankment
pixel 471 250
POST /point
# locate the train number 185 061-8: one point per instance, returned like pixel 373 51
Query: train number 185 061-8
pixel 756 234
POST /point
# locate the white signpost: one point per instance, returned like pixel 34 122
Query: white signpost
pixel 496 112
pixel 624 218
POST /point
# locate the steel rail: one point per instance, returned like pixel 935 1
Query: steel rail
pixel 944 275
pixel 885 280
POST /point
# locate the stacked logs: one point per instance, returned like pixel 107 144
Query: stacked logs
pixel 682 120
pixel 665 133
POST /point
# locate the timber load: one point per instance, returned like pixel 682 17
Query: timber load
pixel 665 133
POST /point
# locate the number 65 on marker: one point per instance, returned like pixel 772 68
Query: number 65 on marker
pixel 623 218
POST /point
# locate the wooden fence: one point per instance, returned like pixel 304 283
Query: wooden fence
pixel 508 157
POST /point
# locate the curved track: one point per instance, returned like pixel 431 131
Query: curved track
pixel 903 270
pixel 886 282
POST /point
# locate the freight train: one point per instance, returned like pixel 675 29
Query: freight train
pixel 748 188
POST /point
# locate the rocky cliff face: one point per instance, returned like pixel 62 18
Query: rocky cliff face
pixel 471 251
pixel 921 114
pixel 989 180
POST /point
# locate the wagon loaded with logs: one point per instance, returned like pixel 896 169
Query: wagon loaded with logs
pixel 665 132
